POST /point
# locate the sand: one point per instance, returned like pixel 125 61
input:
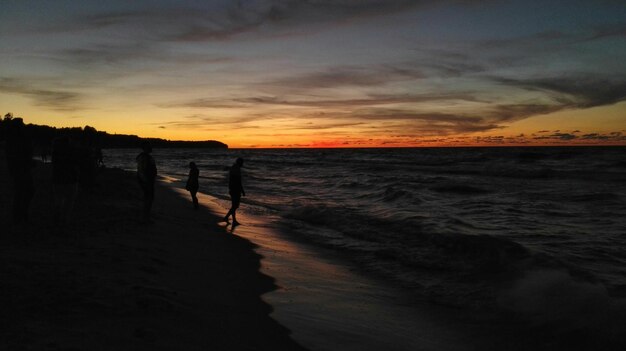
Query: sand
pixel 108 282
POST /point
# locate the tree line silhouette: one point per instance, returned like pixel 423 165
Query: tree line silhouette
pixel 43 135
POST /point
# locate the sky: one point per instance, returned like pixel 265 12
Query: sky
pixel 321 73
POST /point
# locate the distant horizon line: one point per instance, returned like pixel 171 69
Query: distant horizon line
pixel 416 147
pixel 483 145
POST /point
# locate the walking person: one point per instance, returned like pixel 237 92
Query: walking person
pixel 193 184
pixel 146 176
pixel 235 189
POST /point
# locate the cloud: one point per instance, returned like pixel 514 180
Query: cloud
pixel 347 76
pixel 122 54
pixel 565 136
pixel 55 99
pixel 575 91
pixel 243 17
pixel 608 31
pixel 420 123
pixel 106 54
pixel 370 100
pixel 595 136
pixel 219 21
pixel 556 38
pixel 514 112
pixel 585 138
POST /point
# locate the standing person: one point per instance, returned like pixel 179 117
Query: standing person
pixel 19 155
pixel 64 179
pixel 192 183
pixel 235 189
pixel 146 175
pixel 99 157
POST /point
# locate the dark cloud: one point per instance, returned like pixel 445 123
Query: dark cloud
pixel 608 31
pixel 424 123
pixel 555 39
pixel 585 138
pixel 106 54
pixel 244 17
pixel 346 76
pixel 368 100
pixel 371 100
pixel 534 40
pixel 576 91
pixel 121 53
pixel 564 136
pixel 514 112
pixel 595 136
pixel 54 99
pixel 212 22
pixel 323 125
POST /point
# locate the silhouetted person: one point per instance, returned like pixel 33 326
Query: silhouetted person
pixel 99 157
pixel 45 151
pixel 65 168
pixel 19 154
pixel 146 175
pixel 192 183
pixel 235 189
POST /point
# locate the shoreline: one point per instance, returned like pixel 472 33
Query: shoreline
pixel 328 300
pixel 111 283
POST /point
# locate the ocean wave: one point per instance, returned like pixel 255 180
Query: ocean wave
pixel 590 197
pixel 453 224
pixel 556 302
pixel 459 189
pixel 391 194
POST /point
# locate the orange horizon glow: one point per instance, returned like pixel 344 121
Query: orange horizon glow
pixel 534 131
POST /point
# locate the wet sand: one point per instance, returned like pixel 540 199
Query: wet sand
pixel 109 283
pixel 329 303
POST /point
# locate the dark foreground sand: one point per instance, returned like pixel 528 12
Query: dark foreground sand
pixel 110 283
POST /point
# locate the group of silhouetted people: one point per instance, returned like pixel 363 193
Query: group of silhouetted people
pixel 72 164
pixel 147 172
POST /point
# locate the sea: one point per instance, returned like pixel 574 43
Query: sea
pixel 539 231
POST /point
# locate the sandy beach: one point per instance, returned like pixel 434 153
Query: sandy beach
pixel 110 283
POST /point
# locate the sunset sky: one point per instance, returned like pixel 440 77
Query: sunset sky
pixel 343 73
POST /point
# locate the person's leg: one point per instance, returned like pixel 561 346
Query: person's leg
pixel 230 212
pixel 194 198
pixel 236 201
pixel 235 217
